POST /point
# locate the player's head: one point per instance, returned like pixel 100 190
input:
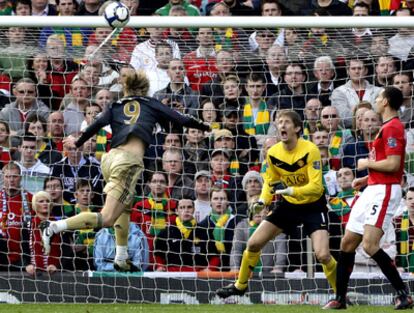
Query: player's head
pixel 282 120
pixel 136 83
pixel 390 96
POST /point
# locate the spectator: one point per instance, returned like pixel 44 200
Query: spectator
pixel 61 70
pixel 345 97
pixel 155 211
pixel 226 68
pixel 404 82
pixel 196 148
pixel 104 135
pixel 5 8
pixel 103 98
pixel 361 36
pixel 267 144
pixel 179 183
pixel 74 113
pixel 158 76
pixel 401 44
pixel 293 94
pixel 379 43
pixel 89 7
pixel 189 8
pixel 343 202
pixel 338 136
pixel 239 161
pixel 256 112
pixel 329 175
pixel 61 252
pixel 176 93
pixel 274 254
pixel 324 72
pixel 276 61
pixel 358 148
pixel 143 56
pixel 43 8
pixel 200 64
pixel 331 7
pixel 22 7
pixel 104 249
pixel 84 239
pixel 268 8
pixel 240 8
pixel 320 137
pixel 75 166
pixel 202 186
pixel 312 114
pixel 52 153
pixel 75 39
pixel 16 215
pixel 385 68
pixel 217 231
pixel 358 114
pixel 13 58
pixel 25 105
pixel 61 208
pixel 252 184
pixel 33 171
pixel 177 248
pixel 5 156
pixel 231 92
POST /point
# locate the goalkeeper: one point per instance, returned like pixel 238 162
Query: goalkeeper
pixel 294 172
pixel 132 119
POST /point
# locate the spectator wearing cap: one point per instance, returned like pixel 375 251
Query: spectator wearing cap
pixel 252 184
pixel 223 139
pixel 202 186
pixel 196 148
pixel 221 177
pixel 246 145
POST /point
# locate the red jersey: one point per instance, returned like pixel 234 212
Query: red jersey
pixel 199 70
pixel 15 215
pixel 389 141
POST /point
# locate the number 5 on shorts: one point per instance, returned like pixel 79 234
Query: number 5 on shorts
pixel 374 209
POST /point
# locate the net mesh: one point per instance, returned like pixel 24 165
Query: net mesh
pixel 53 82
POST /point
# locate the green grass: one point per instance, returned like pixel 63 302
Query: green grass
pixel 175 308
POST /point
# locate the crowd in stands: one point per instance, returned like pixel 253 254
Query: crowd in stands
pixel 192 206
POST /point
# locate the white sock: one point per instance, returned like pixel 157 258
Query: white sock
pixel 121 253
pixel 58 226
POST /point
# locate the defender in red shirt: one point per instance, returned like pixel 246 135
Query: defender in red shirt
pixel 373 212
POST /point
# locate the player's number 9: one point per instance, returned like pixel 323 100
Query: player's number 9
pixel 132 110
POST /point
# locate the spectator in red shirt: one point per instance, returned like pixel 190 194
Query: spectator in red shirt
pixel 200 64
pixel 15 217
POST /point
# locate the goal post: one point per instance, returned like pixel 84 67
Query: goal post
pixel 239 48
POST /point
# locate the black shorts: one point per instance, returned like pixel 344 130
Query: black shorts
pixel 288 216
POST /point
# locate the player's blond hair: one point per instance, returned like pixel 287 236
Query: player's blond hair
pixel 136 83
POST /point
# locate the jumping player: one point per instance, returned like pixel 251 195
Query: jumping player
pixel 132 120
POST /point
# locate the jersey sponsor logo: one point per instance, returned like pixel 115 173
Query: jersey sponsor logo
pixel 295 179
pixel 392 142
pixel 317 165
pixel 290 167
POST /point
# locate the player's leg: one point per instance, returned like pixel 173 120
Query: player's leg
pixel 265 232
pixel 320 243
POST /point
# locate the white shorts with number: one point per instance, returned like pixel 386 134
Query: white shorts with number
pixel 376 206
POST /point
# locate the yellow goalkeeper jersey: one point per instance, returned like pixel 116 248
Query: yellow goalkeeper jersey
pixel 300 168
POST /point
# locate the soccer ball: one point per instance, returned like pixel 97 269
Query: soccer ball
pixel 116 14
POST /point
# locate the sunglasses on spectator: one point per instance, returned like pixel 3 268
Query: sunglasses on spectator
pixel 329 116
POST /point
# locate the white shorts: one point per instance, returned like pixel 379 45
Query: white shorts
pixel 376 206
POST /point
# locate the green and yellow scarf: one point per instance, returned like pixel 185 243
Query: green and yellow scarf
pixel 158 214
pixel 335 143
pixel 220 221
pixel 339 205
pixel 225 43
pixel 262 122
pixel 185 227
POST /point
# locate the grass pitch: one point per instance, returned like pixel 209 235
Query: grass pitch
pixel 176 308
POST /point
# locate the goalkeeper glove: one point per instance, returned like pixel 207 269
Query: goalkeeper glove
pixel 257 207
pixel 280 189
